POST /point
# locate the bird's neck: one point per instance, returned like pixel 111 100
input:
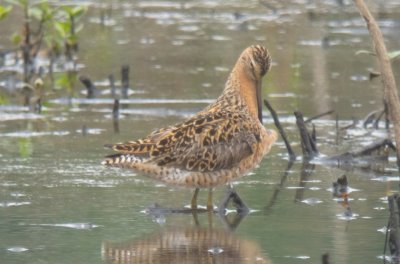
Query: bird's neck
pixel 245 89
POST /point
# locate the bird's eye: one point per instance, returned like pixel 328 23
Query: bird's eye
pixel 252 65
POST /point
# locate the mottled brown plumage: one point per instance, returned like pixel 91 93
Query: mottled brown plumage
pixel 218 144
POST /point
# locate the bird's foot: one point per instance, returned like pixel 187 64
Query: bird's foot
pixel 232 196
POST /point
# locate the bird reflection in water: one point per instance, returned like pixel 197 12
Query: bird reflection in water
pixel 191 244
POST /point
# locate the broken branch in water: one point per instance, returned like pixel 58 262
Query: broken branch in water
pixel 376 123
pixel 370 118
pixel 389 84
pixel 386 143
pixel 377 152
pixel 325 258
pixel 373 75
pixel 116 109
pixel 90 87
pixel 308 145
pixel 351 126
pixel 392 228
pixel 292 156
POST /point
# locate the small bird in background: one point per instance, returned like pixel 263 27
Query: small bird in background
pixel 217 145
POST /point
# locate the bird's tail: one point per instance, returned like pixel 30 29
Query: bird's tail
pixel 121 160
pixel 139 147
pixel 167 175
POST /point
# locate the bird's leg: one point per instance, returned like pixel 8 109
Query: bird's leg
pixel 195 218
pixel 241 207
pixel 210 218
pixel 194 199
pixel 210 206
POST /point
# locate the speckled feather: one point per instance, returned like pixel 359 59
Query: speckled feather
pixel 220 143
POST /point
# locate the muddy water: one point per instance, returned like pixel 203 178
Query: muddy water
pixel 58 205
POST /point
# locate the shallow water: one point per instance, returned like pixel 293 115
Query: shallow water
pixel 59 205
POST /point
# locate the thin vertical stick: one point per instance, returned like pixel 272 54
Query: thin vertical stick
pixel 112 85
pixel 125 81
pixel 393 227
pixel 337 129
pixel 115 115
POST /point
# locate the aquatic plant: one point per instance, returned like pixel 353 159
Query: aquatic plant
pixel 48 39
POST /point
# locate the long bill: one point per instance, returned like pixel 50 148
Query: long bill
pixel 259 100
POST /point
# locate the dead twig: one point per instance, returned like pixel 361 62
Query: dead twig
pixel 377 152
pixel 308 146
pixel 308 120
pixel 373 75
pixel 351 126
pixel 376 123
pixel 370 118
pixel 386 143
pixel 292 156
pixel 90 87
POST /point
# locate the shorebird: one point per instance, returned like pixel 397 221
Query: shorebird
pixel 217 145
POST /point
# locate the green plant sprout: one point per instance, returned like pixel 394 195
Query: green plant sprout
pixel 50 32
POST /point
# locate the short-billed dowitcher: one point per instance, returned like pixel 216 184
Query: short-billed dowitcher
pixel 220 143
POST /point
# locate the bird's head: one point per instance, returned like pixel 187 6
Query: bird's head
pixel 256 61
pixel 252 65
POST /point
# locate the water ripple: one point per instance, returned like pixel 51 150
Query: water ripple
pixel 27 134
pixel 17 249
pixel 312 201
pixel 68 101
pixel 12 204
pixel 80 226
